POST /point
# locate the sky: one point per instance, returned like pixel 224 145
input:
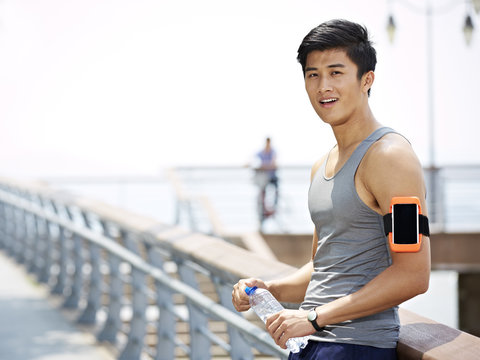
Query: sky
pixel 103 87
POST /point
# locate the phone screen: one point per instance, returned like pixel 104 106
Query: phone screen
pixel 405 224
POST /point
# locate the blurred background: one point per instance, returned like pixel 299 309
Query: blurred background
pixel 143 103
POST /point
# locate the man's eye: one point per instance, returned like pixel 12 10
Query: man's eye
pixel 311 75
pixel 336 72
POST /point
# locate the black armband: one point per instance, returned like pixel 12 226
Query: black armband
pixel 423 226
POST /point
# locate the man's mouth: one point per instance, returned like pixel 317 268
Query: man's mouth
pixel 328 101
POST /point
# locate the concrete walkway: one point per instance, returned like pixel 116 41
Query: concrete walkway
pixel 30 326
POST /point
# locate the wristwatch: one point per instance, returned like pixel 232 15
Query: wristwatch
pixel 312 317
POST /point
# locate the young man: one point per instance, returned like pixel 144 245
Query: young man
pixel 353 284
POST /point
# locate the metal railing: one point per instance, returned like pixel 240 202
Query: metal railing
pixel 147 281
pixel 453 196
pixel 222 200
pixel 103 260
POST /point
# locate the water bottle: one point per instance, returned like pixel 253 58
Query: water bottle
pixel 264 305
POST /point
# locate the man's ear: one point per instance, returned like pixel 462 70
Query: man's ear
pixel 367 80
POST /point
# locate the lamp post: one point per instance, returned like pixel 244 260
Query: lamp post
pixel 468 29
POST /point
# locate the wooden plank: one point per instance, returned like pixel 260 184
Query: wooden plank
pixel 456 251
pixel 469 303
pixel 422 338
pixel 449 251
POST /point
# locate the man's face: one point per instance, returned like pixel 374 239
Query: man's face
pixel 333 87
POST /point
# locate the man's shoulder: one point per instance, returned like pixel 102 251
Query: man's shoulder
pixel 391 149
pixel 391 158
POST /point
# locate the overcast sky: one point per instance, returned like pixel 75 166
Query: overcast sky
pixel 98 87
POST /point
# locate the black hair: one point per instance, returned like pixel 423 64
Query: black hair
pixel 341 34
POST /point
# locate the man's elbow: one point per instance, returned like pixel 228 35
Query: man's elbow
pixel 420 284
pixel 415 282
pixel 423 286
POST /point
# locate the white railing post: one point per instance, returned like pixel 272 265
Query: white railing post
pixel 72 300
pixel 197 320
pixel 63 254
pixel 89 314
pixel 44 258
pixel 20 235
pixel 113 323
pixel 9 229
pixel 166 324
pixel 240 349
pixel 134 346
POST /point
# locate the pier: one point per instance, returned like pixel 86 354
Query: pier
pixel 146 289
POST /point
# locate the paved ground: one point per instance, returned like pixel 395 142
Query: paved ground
pixel 30 326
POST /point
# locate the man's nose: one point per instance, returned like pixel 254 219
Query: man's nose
pixel 324 85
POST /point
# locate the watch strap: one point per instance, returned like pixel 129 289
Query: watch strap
pixel 314 323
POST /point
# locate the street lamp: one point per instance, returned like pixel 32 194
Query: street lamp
pixel 391 28
pixel 468 28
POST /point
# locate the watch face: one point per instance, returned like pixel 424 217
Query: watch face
pixel 312 315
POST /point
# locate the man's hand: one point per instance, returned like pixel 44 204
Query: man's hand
pixel 240 299
pixel 288 324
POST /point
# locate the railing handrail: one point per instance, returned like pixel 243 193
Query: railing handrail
pixel 168 237
pixel 226 261
pixel 138 262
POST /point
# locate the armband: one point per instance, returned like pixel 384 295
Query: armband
pixel 405 224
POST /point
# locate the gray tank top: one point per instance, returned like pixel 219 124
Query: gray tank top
pixel 352 250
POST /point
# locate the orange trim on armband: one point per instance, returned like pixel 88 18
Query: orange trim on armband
pixel 396 247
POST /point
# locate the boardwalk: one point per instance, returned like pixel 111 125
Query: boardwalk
pixel 140 282
pixel 30 326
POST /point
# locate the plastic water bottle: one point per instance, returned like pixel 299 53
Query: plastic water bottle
pixel 264 304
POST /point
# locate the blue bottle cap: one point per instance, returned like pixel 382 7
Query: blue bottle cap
pixel 250 290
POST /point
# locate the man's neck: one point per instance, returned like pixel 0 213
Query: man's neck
pixel 354 131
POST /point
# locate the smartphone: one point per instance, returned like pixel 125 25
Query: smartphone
pixel 405 235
